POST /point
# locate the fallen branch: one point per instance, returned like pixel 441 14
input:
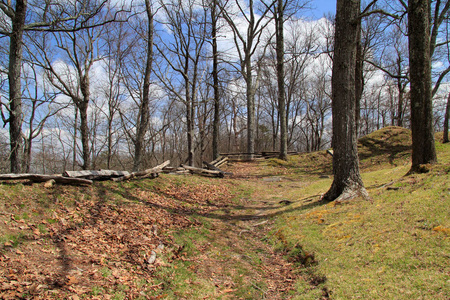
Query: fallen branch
pixel 211 166
pixel 44 178
pixel 220 162
pixel 217 160
pixel 201 171
pixel 95 174
pixel 260 223
pixel 144 174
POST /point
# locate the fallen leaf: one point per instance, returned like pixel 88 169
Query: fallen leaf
pixel 71 280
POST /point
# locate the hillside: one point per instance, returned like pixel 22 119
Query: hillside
pixel 261 234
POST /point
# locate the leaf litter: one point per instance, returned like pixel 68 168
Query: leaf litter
pixel 103 241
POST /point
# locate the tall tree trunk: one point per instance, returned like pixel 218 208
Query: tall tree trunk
pixel 216 122
pixel 144 113
pixel 110 130
pixel 83 105
pixel 27 154
pixel 75 133
pixel 279 21
pixel 446 121
pixel 423 148
pixel 250 94
pixel 84 131
pixel 347 181
pixel 400 96
pixel 251 90
pixel 359 77
pixel 190 130
pixel 15 92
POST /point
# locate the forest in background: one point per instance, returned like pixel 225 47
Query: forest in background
pixel 105 84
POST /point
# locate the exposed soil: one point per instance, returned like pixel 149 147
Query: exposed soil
pixel 248 259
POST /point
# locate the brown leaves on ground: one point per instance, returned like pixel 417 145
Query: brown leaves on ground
pixel 240 264
pixel 113 241
pixel 89 245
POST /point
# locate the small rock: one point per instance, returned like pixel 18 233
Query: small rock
pixel 151 260
pixel 272 179
pixel 49 184
pixel 160 247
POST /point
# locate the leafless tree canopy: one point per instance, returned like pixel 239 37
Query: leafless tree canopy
pixel 91 84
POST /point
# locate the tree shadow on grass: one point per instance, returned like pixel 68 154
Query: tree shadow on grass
pixel 374 147
pixel 224 211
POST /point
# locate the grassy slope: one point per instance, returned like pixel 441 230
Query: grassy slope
pixel 86 242
pixel 395 247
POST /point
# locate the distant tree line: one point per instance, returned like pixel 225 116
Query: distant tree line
pixel 90 84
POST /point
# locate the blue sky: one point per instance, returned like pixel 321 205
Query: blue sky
pixel 321 7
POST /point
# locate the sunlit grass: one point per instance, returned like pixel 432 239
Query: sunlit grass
pixel 396 246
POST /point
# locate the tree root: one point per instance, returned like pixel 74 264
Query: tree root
pixel 349 192
pixel 419 169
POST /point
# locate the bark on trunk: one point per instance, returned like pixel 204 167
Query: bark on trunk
pixel 15 92
pixel 190 129
pixel 446 120
pixel 44 178
pixel 400 96
pixel 359 77
pixel 84 131
pixel 216 121
pixel 75 133
pixel 251 91
pixel 279 20
pixel 347 181
pixel 27 154
pixel 110 139
pixel 144 113
pixel 423 148
pixel 145 173
pixel 95 174
pixel 250 109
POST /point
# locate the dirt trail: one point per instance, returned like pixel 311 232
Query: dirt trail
pixel 248 260
pixel 248 268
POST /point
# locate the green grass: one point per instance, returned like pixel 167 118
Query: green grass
pixel 12 239
pixel 396 246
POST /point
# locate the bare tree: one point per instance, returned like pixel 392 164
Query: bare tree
pixel 215 74
pixel 39 106
pixel 113 90
pixel 247 43
pixel 19 18
pixel 393 61
pixel 72 77
pixel 187 23
pixel 347 181
pixel 424 151
pixel 144 112
pixel 279 33
pixel 446 120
